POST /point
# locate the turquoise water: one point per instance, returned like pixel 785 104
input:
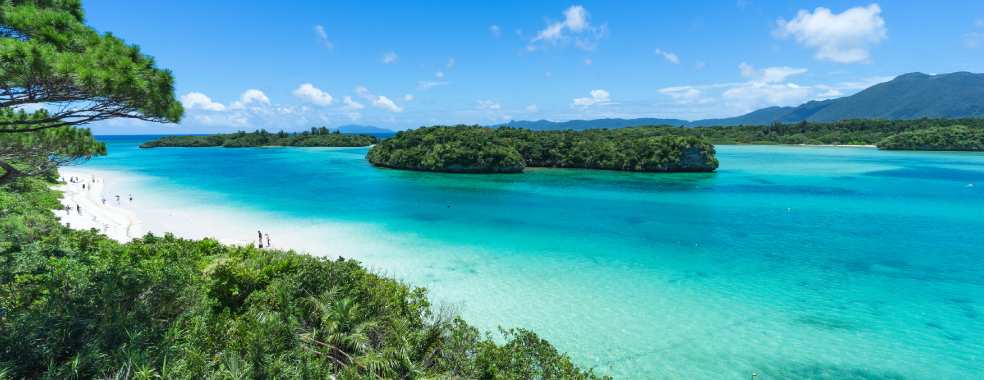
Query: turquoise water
pixel 788 262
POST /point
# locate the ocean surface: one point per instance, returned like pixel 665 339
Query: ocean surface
pixel 788 262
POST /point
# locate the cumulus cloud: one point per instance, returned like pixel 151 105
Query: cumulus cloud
pixel 427 85
pixel 668 56
pixel 587 61
pixel 450 63
pixel 495 30
pixel 351 104
pixel 759 95
pixel 768 75
pixel 844 38
pixel 364 93
pixel 598 97
pixel 698 65
pixel 574 30
pixel 439 74
pixel 685 94
pixel 197 99
pixel 355 116
pixel 222 120
pixel 532 108
pixel 320 31
pixel 390 57
pixel 405 98
pixel 255 97
pixel 830 93
pixel 383 103
pixel 548 74
pixel 311 95
pixel 487 104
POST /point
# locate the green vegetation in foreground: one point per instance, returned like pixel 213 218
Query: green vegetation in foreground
pixel 950 138
pixel 475 149
pixel 77 305
pixel 316 137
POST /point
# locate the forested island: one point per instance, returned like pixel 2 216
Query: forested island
pixel 844 132
pixel 476 149
pixel 317 137
pixel 949 138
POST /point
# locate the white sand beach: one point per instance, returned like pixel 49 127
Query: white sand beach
pixel 127 219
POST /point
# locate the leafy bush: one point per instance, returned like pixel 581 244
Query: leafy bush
pixel 241 139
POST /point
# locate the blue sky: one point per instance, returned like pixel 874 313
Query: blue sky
pixel 399 65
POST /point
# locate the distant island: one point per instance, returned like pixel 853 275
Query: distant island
pixel 907 97
pixel 317 137
pixel 476 149
pixel 950 138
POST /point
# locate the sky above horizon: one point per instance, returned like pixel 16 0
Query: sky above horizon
pixel 290 66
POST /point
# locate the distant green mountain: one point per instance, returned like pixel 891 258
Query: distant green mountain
pixel 907 97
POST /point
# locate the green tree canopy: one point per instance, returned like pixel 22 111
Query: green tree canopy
pixel 49 56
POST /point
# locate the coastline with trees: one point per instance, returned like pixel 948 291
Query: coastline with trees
pixel 316 137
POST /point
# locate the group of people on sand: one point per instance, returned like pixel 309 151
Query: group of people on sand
pixel 78 209
pixel 267 239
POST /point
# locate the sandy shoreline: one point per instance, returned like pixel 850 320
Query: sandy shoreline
pixel 127 219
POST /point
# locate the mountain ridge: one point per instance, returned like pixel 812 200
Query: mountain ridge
pixel 906 97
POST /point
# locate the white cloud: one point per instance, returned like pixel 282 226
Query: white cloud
pixel 759 95
pixel 355 116
pixel 351 104
pixel 364 93
pixel 222 120
pixel 579 32
pixel 742 3
pixel 254 95
pixel 385 104
pixel 450 63
pixel 587 61
pixel 483 104
pixel 768 75
pixel 844 38
pixel 495 30
pixel 548 74
pixel 311 95
pixel 698 65
pixel 668 56
pixel 320 31
pixel 980 22
pixel 830 93
pixel 532 108
pixel 599 97
pixel 439 74
pixel 390 57
pixel 198 99
pixel 427 85
pixel 405 98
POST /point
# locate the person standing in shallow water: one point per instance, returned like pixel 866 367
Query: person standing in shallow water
pixel 261 238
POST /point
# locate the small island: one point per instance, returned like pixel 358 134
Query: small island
pixel 317 137
pixel 957 137
pixel 476 149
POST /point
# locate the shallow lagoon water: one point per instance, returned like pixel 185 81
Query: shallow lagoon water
pixel 788 262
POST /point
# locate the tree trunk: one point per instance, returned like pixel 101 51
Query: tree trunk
pixel 11 174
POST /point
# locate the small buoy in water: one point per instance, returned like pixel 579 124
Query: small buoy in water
pixel 970 185
pixel 789 209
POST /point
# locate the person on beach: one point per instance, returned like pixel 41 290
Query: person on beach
pixel 78 209
pixel 104 200
pixel 67 210
pixel 268 240
pixel 131 197
pixel 261 238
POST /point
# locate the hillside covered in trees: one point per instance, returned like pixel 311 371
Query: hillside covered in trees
pixel 316 137
pixel 77 305
pixel 475 149
pixel 949 138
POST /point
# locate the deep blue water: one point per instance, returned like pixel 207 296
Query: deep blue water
pixel 789 262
